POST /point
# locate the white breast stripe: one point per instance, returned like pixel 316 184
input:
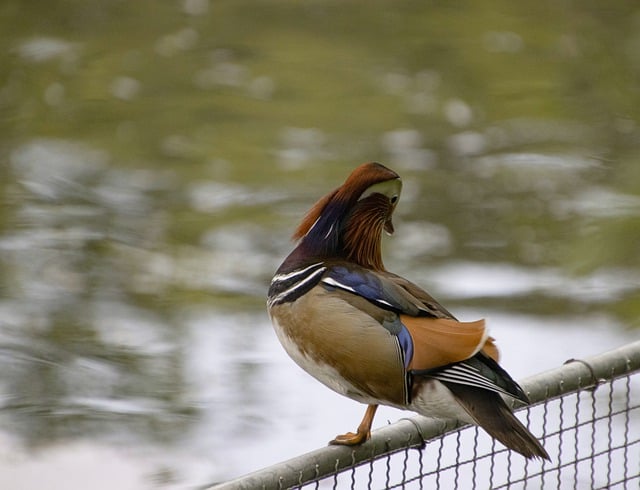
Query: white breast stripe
pixel 297 285
pixel 289 275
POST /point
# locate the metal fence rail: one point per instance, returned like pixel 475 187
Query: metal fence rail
pixel 586 411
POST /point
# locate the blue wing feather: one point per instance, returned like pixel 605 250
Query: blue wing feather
pixel 406 344
pixel 373 287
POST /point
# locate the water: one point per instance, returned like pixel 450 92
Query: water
pixel 156 158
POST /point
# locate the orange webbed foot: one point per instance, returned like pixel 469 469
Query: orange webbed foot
pixel 363 433
pixel 351 438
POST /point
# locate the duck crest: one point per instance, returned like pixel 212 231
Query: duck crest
pixel 321 232
pixel 346 195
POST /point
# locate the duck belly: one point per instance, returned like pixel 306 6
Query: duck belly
pixel 342 347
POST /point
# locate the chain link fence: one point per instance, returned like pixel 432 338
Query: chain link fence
pixel 586 413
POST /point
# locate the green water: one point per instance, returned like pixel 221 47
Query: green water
pixel 156 156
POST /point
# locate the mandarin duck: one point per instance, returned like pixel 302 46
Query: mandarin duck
pixel 376 337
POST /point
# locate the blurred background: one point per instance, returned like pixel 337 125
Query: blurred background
pixel 155 157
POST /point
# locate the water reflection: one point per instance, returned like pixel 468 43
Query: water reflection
pixel 156 162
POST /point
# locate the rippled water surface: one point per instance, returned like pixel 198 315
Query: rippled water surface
pixel 156 157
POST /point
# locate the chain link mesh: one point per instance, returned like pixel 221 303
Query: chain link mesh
pixel 593 438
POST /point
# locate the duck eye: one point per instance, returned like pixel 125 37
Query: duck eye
pixel 394 199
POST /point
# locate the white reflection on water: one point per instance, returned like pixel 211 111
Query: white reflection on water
pixel 71 466
pixel 598 202
pixel 477 280
pixel 40 49
pixel 48 161
pixel 212 196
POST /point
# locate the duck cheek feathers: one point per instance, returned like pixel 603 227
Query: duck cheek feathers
pixel 343 347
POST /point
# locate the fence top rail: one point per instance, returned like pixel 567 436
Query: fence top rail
pixel 574 375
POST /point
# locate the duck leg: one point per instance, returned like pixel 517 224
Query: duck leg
pixel 362 434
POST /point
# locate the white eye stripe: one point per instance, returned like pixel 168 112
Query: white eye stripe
pixel 389 188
